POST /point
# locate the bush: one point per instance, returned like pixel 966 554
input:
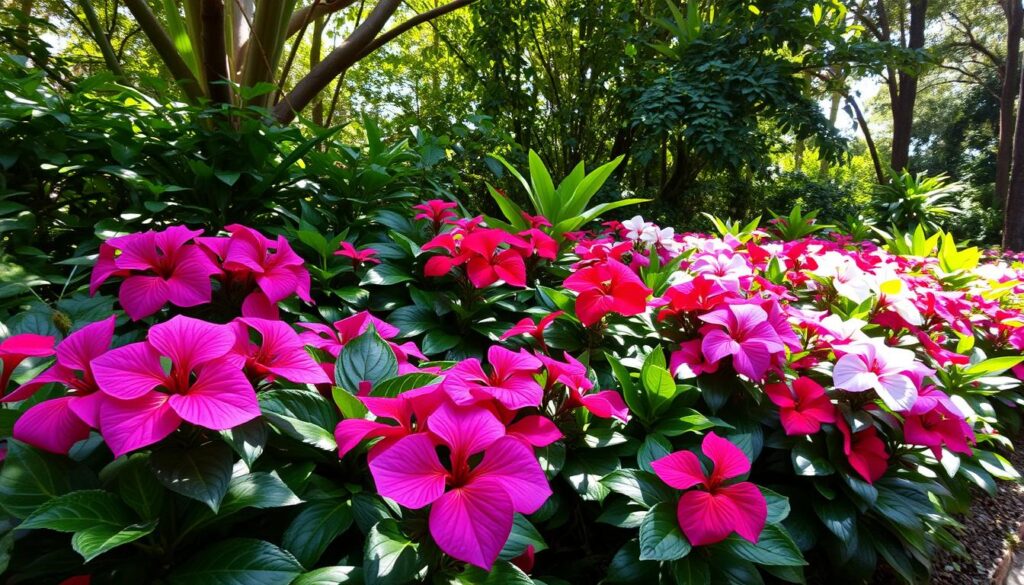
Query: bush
pixel 431 399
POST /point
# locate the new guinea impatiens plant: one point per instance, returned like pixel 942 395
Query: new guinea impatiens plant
pixel 467 400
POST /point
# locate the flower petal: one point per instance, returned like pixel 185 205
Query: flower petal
pixel 141 296
pixel 681 470
pixel 514 467
pixel 221 398
pixel 129 371
pixel 729 460
pixel 190 342
pixel 472 523
pixel 51 426
pixel 127 425
pixel 409 472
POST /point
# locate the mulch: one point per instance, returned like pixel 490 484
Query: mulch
pixel 992 533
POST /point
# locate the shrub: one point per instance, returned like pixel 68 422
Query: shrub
pixel 467 404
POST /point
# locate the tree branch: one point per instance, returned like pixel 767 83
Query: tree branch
pixel 164 46
pixel 412 23
pixel 339 60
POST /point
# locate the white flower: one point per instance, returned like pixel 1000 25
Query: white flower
pixel 635 226
pixel 873 365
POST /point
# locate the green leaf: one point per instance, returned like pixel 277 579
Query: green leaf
pixel 523 535
pixel 640 486
pixel 774 547
pixel 585 469
pixel 691 571
pixel 635 399
pixel 660 386
pixel 330 576
pixel 808 460
pixel 315 527
pixel 301 414
pixel 502 573
pixel 626 566
pixel 238 561
pixel 247 439
pixel 512 212
pixel 588 187
pixel 139 487
pixel 81 510
pixel 413 320
pixel 654 447
pixel 395 386
pixel 201 473
pixel 993 366
pixel 778 505
pixel 384 275
pixel 365 358
pixel 348 404
pixel 259 489
pixel 95 541
pixel 839 516
pixel 543 191
pixel 390 558
pixel 29 478
pixel 660 536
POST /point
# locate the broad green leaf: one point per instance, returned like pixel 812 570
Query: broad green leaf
pixel 660 536
pixel 502 573
pixel 315 527
pixel 523 535
pixel 395 386
pixel 29 478
pixel 543 191
pixel 99 539
pixel 238 561
pixel 774 547
pixel 201 473
pixel 139 487
pixel 413 320
pixel 390 558
pixel 81 510
pixel 365 358
pixel 640 486
pixel 247 439
pixel 330 576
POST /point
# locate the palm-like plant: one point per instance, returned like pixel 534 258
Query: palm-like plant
pixel 909 200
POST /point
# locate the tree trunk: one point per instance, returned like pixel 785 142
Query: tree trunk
pixel 1007 99
pixel 833 115
pixel 215 58
pixel 906 92
pixel 314 60
pixel 100 35
pixel 1013 211
pixel 879 173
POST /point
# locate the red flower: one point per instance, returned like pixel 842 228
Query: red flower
pixel 865 451
pixel 608 287
pixel 534 330
pixel 804 408
pixel 436 212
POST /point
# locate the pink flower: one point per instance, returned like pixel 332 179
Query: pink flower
pixel 710 515
pixel 539 243
pixel 511 379
pixel 935 421
pixel 472 507
pixel 280 353
pixel 157 267
pixel 688 361
pixel 436 212
pixel 747 336
pixel 873 365
pixel 481 252
pixel 332 341
pixel 251 261
pixel 403 411
pixel 534 330
pixel 573 374
pixel 358 256
pixel 203 386
pixel 607 287
pixel 804 408
pixel 865 451
pixel 56 425
pixel 16 348
pixel 698 294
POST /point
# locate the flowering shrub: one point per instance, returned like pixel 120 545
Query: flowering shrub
pixel 475 401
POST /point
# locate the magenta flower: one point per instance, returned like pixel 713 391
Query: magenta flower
pixel 280 353
pixel 573 374
pixel 333 340
pixel 403 413
pixel 358 257
pixel 56 425
pixel 746 335
pixel 251 261
pixel 803 409
pixel 202 385
pixel 534 330
pixel 710 515
pixel 472 507
pixel 16 348
pixel 935 421
pixel 511 379
pixel 157 267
